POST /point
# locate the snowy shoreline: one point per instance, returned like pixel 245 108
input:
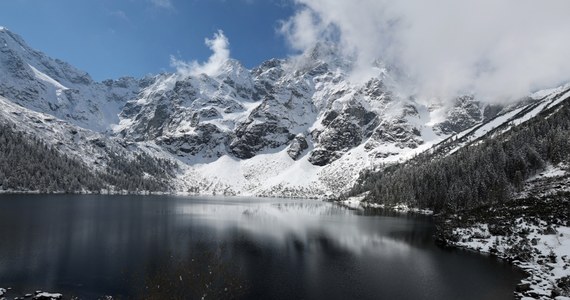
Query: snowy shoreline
pixel 357 202
pixel 523 233
pixel 533 234
pixel 548 261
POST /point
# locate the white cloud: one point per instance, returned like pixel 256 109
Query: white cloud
pixel 303 29
pixel 162 3
pixel 219 45
pixel 497 49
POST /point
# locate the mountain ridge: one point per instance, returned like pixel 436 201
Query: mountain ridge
pixel 294 127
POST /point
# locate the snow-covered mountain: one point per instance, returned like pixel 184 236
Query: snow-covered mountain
pixel 38 82
pixel 294 127
pixel 290 127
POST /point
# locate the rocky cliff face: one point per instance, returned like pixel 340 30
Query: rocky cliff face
pixel 293 127
pixel 297 104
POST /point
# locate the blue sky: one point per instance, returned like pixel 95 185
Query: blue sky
pixel 114 38
pixel 496 49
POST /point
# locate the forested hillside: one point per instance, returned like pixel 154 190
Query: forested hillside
pixel 28 164
pixel 490 170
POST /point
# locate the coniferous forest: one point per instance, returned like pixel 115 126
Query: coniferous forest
pixel 488 171
pixel 28 164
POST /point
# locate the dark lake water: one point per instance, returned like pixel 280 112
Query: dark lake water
pixel 165 247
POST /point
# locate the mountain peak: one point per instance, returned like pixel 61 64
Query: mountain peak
pixel 323 51
pixel 12 40
pixel 232 66
pixel 15 49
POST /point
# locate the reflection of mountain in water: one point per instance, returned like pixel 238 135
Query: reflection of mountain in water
pixel 128 246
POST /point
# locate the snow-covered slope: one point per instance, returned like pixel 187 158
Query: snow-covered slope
pixel 293 127
pixel 36 81
pixel 506 119
pixel 91 148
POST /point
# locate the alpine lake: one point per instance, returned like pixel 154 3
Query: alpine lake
pixel 170 247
